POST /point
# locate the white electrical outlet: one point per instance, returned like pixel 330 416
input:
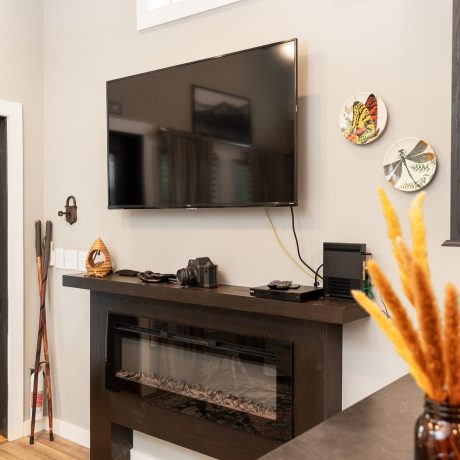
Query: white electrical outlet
pixel 82 261
pixel 59 258
pixel 70 259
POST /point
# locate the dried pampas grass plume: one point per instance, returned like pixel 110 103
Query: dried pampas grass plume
pixel 405 259
pixel 428 318
pixel 394 227
pixel 400 317
pixel 432 347
pixel 418 231
pixel 395 235
pixel 451 342
pixel 395 337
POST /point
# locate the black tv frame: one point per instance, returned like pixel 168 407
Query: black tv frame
pixel 212 206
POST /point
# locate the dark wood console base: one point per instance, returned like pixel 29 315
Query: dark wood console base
pixel 316 335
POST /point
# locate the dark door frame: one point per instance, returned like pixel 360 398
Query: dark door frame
pixel 3 280
pixel 12 112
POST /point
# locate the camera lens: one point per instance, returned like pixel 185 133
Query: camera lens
pixel 186 277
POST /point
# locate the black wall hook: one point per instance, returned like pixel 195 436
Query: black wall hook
pixel 70 212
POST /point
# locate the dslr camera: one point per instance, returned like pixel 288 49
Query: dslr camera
pixel 199 272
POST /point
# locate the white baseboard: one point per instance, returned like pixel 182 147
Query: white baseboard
pixel 136 455
pixel 39 426
pixel 66 430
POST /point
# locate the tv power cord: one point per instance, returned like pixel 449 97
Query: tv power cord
pixel 315 272
pixel 281 245
pixel 316 283
pixel 311 273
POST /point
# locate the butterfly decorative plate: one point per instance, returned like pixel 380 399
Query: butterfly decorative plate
pixel 410 164
pixel 363 118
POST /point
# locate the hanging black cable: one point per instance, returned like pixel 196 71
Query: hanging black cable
pixel 385 312
pixel 298 249
pixel 316 276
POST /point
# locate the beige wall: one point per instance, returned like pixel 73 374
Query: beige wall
pixel 399 49
pixel 21 81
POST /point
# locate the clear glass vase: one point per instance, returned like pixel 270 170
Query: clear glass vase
pixel 437 432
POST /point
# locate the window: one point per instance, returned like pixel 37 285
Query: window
pixel 151 13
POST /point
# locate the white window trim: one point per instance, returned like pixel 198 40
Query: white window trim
pixel 13 113
pixel 153 17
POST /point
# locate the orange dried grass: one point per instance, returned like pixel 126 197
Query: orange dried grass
pixel 398 342
pixel 395 234
pixel 405 261
pixel 428 317
pixel 393 225
pixel 400 316
pixel 433 354
pixel 418 231
pixel 451 343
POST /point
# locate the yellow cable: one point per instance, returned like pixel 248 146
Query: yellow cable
pixel 278 239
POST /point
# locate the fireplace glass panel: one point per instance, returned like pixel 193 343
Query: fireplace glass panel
pixel 209 377
pixel 240 381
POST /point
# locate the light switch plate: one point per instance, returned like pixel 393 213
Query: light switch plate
pixel 52 258
pixel 82 261
pixel 59 258
pixel 70 259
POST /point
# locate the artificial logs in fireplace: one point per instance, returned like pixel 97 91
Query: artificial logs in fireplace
pixel 238 381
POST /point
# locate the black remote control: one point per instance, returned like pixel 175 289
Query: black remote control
pixel 273 284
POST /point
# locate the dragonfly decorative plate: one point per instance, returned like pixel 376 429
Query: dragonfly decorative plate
pixel 363 118
pixel 410 164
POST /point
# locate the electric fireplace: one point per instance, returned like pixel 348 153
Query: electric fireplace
pixel 213 370
pixel 238 381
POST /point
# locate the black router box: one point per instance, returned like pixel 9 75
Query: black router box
pixel 301 294
pixel 344 268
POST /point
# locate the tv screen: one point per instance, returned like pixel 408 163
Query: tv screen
pixel 214 133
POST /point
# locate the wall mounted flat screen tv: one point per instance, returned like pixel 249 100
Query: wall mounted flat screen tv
pixel 214 133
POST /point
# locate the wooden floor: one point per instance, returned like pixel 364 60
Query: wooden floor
pixel 43 449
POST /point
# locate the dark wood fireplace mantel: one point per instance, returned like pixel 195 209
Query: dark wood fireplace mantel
pixel 313 329
pixel 224 297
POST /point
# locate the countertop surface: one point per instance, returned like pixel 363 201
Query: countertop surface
pixel 380 427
